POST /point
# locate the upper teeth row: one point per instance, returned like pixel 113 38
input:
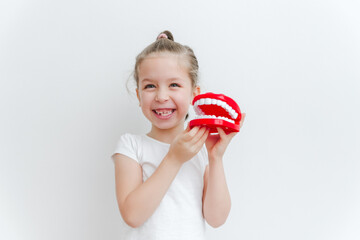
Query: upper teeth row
pixel 163 113
pixel 210 101
pixel 214 117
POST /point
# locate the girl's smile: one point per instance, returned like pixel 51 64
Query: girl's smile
pixel 164 113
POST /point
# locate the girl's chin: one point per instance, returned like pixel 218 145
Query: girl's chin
pixel 168 125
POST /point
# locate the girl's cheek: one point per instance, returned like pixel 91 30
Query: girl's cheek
pixel 147 96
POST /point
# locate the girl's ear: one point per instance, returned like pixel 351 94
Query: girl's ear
pixel 138 96
pixel 196 92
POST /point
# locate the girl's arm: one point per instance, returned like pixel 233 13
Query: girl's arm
pixel 216 196
pixel 138 200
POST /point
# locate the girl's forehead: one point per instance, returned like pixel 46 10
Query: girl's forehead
pixel 163 65
pixel 181 59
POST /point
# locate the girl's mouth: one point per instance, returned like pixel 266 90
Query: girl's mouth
pixel 164 113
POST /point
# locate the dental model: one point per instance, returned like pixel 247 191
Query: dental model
pixel 216 110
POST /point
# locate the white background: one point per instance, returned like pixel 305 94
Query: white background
pixel 293 67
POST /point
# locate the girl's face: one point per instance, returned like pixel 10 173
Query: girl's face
pixel 164 91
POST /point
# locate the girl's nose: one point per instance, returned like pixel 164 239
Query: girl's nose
pixel 162 96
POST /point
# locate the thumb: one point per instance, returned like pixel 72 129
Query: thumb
pixel 188 127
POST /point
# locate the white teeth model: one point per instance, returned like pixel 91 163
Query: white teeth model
pixel 227 108
pixel 209 101
pixel 198 111
pixel 236 114
pixel 222 104
pixel 214 117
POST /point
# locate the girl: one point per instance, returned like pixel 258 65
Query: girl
pixel 167 182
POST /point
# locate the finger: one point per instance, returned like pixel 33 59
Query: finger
pixel 243 115
pixel 199 134
pixel 187 127
pixel 224 135
pixel 205 135
pixel 190 134
pixel 221 132
pixel 231 135
pixel 202 139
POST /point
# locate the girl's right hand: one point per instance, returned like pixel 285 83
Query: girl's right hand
pixel 188 143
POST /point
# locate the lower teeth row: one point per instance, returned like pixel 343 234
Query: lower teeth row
pixel 214 117
pixel 164 113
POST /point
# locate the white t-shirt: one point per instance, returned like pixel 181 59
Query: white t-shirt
pixel 179 215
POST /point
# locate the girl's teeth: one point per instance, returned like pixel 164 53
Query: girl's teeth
pixel 164 113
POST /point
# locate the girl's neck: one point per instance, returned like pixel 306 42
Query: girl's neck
pixel 165 135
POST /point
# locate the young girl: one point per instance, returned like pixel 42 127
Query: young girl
pixel 167 182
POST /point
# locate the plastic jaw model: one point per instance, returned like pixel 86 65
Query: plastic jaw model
pixel 216 110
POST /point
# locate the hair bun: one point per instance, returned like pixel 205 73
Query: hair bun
pixel 165 34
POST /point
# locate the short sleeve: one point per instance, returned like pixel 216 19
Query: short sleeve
pixel 204 155
pixel 128 146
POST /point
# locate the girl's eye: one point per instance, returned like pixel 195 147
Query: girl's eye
pixel 149 86
pixel 174 85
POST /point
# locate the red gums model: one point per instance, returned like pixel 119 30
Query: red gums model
pixel 216 110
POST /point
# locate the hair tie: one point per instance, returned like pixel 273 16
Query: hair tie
pixel 162 35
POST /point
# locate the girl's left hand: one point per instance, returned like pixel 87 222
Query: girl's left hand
pixel 217 144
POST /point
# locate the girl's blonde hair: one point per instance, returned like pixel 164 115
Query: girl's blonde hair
pixel 166 44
